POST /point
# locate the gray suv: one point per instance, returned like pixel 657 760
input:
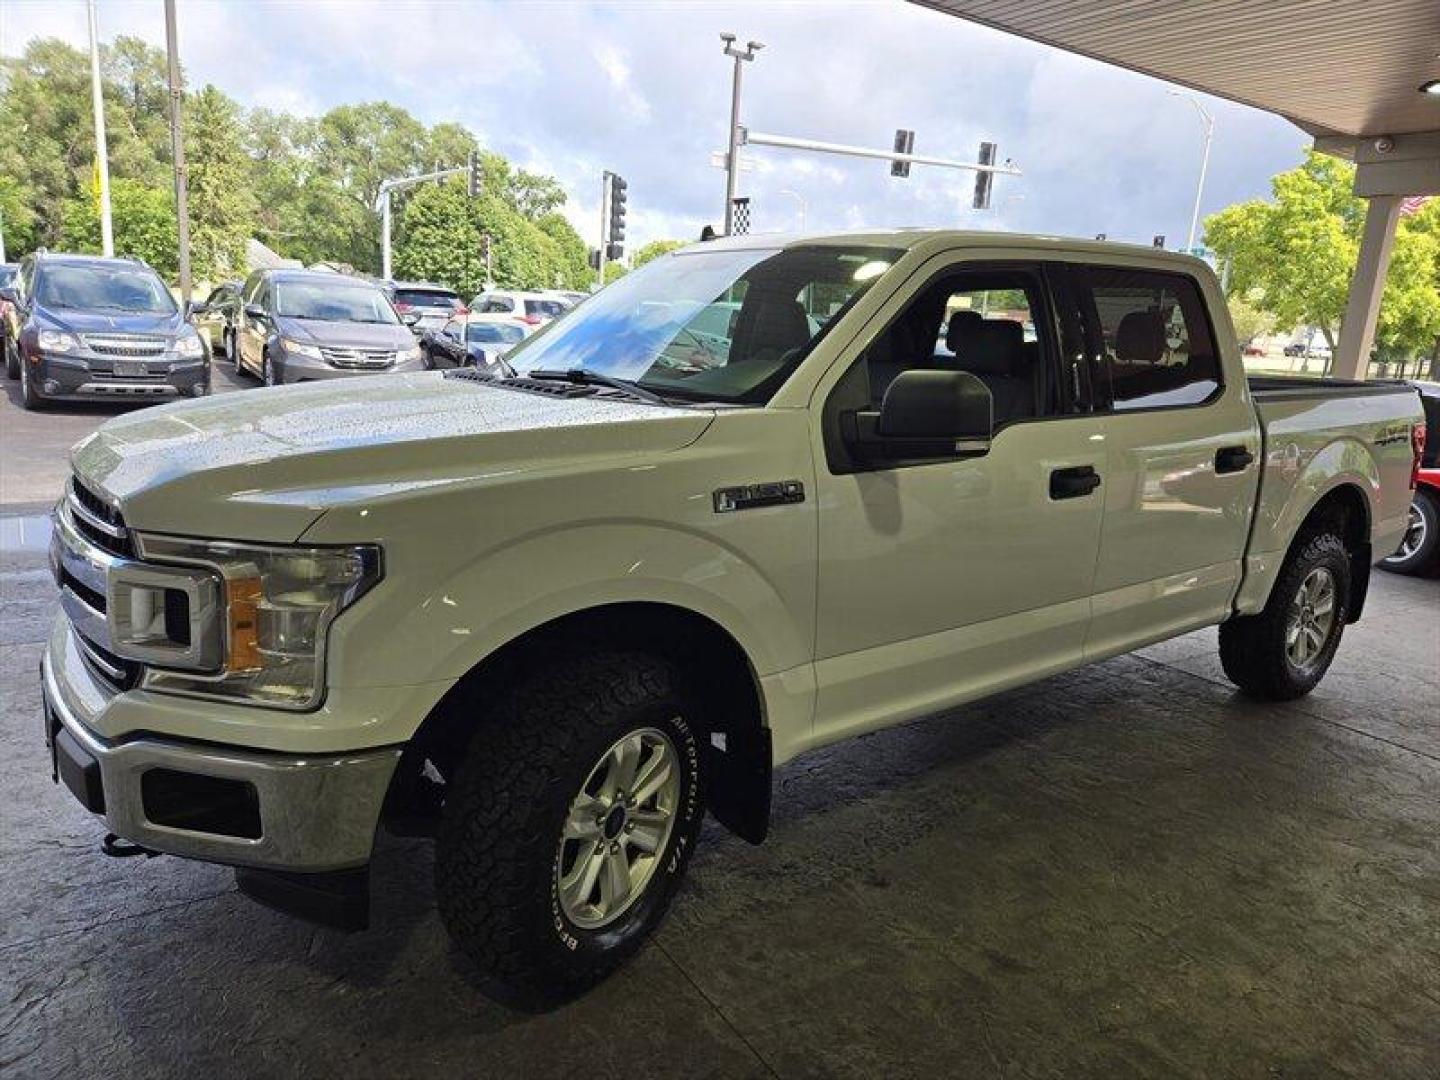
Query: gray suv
pixel 87 327
pixel 300 325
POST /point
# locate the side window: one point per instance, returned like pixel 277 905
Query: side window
pixel 251 288
pixel 1154 337
pixel 989 322
pixel 501 304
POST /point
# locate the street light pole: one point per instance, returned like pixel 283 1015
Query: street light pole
pixel 801 200
pixel 385 234
pixel 732 153
pixel 102 153
pixel 1208 122
pixel 177 145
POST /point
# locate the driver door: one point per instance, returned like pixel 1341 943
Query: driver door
pixel 944 580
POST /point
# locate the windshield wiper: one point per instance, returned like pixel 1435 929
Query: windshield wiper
pixel 589 377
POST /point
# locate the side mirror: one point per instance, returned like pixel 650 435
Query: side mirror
pixel 925 414
pixel 410 318
pixel 193 308
pixel 254 311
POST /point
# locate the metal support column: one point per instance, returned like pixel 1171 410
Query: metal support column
pixel 177 146
pixel 1357 332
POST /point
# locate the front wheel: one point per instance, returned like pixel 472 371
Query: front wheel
pixel 569 824
pixel 12 359
pixel 267 370
pixel 1283 652
pixel 30 397
pixel 1417 550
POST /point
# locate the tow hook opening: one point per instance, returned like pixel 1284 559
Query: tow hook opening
pixel 119 848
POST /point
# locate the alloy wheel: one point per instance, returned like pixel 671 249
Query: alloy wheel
pixel 1416 530
pixel 617 828
pixel 1311 621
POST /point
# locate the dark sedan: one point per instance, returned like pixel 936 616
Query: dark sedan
pixel 472 342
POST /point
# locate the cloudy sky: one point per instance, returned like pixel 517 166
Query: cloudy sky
pixel 641 88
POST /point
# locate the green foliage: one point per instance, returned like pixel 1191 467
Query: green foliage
pixel 304 187
pixel 143 219
pixel 654 250
pixel 1293 257
pixel 221 205
pixel 1250 321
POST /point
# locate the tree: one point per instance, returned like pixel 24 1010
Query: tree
pixel 654 250
pixel 1250 322
pixel 1293 256
pixel 221 206
pixel 143 219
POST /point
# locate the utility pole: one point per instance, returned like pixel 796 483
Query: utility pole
pixel 385 233
pixel 102 153
pixel 400 183
pixel 177 145
pixel 732 153
pixel 1208 122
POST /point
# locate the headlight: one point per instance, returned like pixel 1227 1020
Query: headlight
pixel 299 348
pixel 189 345
pixel 57 341
pixel 269 624
pixel 406 355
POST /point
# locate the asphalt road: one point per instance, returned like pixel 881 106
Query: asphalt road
pixel 34 446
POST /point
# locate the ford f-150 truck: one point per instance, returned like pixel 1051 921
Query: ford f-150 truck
pixel 553 613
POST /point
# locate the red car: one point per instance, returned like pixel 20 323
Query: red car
pixel 1418 552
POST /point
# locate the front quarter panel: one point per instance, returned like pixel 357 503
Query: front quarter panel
pixel 471 567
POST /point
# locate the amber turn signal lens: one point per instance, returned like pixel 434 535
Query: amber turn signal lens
pixel 242 607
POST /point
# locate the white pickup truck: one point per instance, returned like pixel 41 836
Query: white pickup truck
pixel 554 611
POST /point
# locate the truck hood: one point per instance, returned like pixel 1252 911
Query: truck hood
pixel 264 464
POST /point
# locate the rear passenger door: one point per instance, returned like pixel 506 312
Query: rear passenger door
pixel 1182 449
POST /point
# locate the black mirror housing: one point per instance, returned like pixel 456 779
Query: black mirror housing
pixel 936 405
pixel 254 311
pixel 925 414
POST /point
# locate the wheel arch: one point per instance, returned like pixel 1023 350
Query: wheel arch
pixel 1342 506
pixel 710 658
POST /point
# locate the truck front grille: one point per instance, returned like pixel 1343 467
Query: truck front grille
pixel 97 520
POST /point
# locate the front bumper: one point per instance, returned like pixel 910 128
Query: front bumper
pixel 78 378
pixel 316 812
pixel 292 368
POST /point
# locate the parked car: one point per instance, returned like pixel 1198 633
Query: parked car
pixel 7 331
pixel 531 308
pixel 568 297
pixel 430 305
pixel 1419 550
pixel 303 325
pixel 215 318
pixel 554 617
pixel 1295 348
pixel 474 340
pixel 1249 348
pixel 89 327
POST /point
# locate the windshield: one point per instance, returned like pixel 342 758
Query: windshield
pixel 332 302
pixel 120 287
pixel 494 334
pixel 426 299
pixel 711 325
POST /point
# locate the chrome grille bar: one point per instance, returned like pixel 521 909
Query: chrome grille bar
pixel 85 514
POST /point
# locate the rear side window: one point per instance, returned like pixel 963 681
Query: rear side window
pixel 1154 336
pixel 426 298
pixel 500 304
pixel 547 309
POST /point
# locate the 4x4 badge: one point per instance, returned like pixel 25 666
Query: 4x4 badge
pixel 752 496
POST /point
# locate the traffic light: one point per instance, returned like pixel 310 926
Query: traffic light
pixel 614 252
pixel 615 236
pixel 904 144
pixel 983 180
pixel 594 259
pixel 472 166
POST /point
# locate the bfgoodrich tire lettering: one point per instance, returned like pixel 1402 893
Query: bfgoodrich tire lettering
pixel 497 865
pixel 1258 651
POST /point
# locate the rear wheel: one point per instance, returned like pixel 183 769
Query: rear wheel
pixel 569 824
pixel 1417 550
pixel 1284 651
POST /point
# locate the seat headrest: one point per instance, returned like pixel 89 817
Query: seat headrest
pixel 988 346
pixel 777 324
pixel 1140 338
pixel 955 330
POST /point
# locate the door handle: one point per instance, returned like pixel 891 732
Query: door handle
pixel 1073 483
pixel 1230 459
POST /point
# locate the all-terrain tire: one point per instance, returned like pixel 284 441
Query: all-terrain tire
pixel 1253 647
pixel 499 850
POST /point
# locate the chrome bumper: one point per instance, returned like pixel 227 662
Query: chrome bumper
pixel 317 812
